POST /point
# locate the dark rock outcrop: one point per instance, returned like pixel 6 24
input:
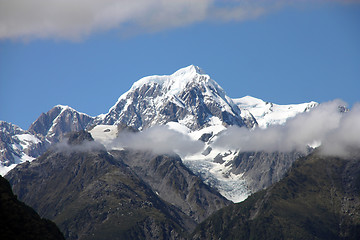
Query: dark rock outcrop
pixel 18 221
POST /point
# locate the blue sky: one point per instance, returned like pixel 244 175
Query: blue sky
pixel 279 51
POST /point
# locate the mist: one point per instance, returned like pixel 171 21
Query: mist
pixel 330 125
pixel 86 146
pixel 338 132
pixel 345 140
pixel 159 140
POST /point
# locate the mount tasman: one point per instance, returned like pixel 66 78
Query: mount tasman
pixel 188 101
pixel 152 167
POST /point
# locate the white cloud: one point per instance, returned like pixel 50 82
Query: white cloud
pixel 158 139
pixel 338 132
pixel 346 138
pixel 75 19
pixel 86 146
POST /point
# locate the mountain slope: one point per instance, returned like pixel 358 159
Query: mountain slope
pixel 262 169
pixel 267 113
pixel 318 199
pixel 189 96
pixel 19 221
pixel 17 146
pixel 91 195
pixel 173 182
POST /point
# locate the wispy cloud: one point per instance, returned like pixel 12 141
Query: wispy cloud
pixel 158 139
pixel 346 138
pixel 76 19
pixel 86 146
pixel 338 132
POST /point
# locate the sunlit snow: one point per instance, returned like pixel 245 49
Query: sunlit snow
pixel 267 113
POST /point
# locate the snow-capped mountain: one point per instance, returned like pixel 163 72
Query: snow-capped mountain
pixel 187 101
pixel 189 96
pixel 59 120
pixel 237 174
pixel 17 146
pixel 267 113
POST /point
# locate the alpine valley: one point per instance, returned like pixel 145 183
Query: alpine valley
pixel 152 168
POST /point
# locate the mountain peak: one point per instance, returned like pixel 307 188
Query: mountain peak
pixel 177 80
pixel 58 120
pixel 192 69
pixel 68 108
pixel 188 96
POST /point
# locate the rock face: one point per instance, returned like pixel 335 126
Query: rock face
pixel 318 199
pixel 189 96
pixel 18 221
pixel 175 183
pixel 262 169
pixel 58 121
pixel 17 145
pixel 91 195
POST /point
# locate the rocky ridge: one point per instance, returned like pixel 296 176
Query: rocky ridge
pixel 91 194
pixel 59 120
pixel 17 146
pixel 174 182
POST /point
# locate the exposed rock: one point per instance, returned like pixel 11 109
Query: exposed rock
pixel 318 199
pixel 175 183
pixel 77 138
pixel 18 145
pixel 205 137
pixel 262 169
pixel 58 121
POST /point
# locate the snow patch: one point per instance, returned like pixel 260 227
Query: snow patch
pixel 28 139
pixel 104 134
pixel 178 127
pixel 18 160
